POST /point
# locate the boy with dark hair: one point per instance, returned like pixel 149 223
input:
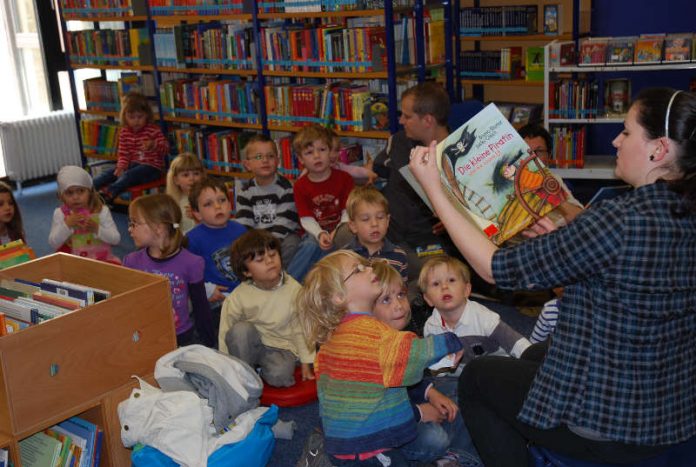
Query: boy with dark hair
pixel 258 323
pixel 212 237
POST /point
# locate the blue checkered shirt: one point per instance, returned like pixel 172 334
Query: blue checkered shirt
pixel 623 358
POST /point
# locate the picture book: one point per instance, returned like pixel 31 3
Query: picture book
pixel 620 50
pixel 551 19
pixel 593 51
pixel 562 53
pixel 678 48
pixel 78 445
pixel 534 64
pixel 86 459
pixel 648 48
pixel 493 179
pixel 40 450
pixel 617 94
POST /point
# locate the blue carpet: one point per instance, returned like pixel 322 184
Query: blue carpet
pixel 37 204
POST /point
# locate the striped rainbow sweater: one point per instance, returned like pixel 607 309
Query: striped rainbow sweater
pixel 362 373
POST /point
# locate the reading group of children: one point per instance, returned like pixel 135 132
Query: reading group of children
pixel 260 290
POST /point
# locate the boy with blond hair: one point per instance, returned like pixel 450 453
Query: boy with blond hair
pixel 266 201
pixel 320 194
pixel 446 285
pixel 368 214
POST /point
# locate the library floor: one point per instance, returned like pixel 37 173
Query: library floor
pixel 37 203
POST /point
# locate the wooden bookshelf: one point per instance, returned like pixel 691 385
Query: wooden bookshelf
pixel 79 363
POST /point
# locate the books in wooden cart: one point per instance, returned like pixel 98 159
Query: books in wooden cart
pixel 491 176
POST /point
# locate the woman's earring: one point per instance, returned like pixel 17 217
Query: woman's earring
pixel 652 157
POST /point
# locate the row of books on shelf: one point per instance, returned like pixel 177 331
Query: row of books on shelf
pixel 110 46
pixel 23 302
pixel 210 99
pixel 206 45
pixel 505 63
pixel 75 442
pixel 225 7
pixel 568 147
pixel 104 7
pixel 645 49
pixel 582 98
pixel 99 136
pixel 346 106
pixel 498 20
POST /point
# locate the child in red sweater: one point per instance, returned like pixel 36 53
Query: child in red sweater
pixel 142 149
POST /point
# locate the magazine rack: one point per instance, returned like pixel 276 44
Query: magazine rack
pixel 81 363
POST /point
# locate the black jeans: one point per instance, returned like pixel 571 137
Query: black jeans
pixel 491 393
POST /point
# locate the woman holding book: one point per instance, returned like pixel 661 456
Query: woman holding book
pixel 617 382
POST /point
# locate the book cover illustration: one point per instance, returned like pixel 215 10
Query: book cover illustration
pixel 678 48
pixel 617 93
pixel 620 50
pixel 488 169
pixel 648 49
pixel 551 16
pixel 593 51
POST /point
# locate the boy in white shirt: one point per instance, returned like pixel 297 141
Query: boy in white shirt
pixel 446 285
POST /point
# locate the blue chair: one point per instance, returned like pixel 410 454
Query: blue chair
pixel 681 455
pixel 460 112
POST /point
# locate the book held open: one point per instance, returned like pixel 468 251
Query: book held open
pixel 493 178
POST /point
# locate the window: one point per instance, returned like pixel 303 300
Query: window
pixel 25 90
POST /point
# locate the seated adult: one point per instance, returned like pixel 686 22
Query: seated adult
pixel 617 383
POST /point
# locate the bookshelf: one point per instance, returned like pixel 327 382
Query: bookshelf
pixel 594 166
pixel 258 64
pixel 478 36
pixel 81 363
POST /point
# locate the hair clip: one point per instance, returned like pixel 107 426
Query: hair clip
pixel 669 108
pixel 175 225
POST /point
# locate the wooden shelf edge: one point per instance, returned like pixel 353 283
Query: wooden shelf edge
pixel 59 417
pixel 201 18
pixel 503 82
pixel 193 121
pixel 327 14
pixel 528 37
pixel 203 71
pixel 222 173
pixel 105 18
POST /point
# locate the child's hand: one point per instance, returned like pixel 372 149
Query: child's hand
pixel 325 240
pixel 369 161
pixel 371 177
pixel 307 372
pixel 189 213
pixel 443 404
pixel 89 224
pixel 149 144
pixel 118 171
pixel 430 413
pixel 73 219
pixel 217 295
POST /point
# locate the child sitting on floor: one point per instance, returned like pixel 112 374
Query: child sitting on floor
pixel 82 225
pixel 442 436
pixel 185 171
pixel 363 365
pixel 446 285
pixel 258 323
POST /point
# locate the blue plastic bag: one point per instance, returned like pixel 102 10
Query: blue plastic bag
pixel 255 449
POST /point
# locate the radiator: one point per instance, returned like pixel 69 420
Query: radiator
pixel 39 146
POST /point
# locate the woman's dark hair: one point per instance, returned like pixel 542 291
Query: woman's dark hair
pixel 15 228
pixel 653 105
